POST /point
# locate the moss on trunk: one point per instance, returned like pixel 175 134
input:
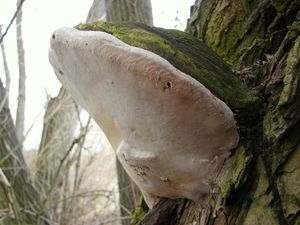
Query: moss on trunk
pixel 192 57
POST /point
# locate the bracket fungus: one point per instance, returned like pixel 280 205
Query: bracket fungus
pixel 170 133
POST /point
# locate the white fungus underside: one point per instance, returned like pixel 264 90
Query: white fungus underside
pixel 171 134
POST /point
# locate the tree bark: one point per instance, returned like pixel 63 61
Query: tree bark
pixel 129 10
pixel 20 118
pixel 19 200
pixel 60 121
pixel 97 11
pixel 259 182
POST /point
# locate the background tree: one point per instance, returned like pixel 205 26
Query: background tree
pixel 20 118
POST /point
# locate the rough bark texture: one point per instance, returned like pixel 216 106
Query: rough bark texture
pixel 261 39
pixel 129 10
pixel 259 182
pixel 20 118
pixel 97 11
pixel 19 203
pixel 60 121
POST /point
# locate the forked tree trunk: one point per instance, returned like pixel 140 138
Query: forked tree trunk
pixel 259 183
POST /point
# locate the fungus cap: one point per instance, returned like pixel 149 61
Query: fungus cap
pixel 170 132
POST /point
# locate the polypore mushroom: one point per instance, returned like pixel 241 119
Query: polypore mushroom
pixel 170 132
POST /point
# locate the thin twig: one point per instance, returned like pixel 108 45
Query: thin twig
pixel 12 20
pixel 84 131
pixel 3 179
pixel 75 141
pixel 6 69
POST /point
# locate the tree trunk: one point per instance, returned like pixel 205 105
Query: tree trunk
pixel 259 183
pixel 60 121
pixel 20 118
pixel 129 10
pixel 19 201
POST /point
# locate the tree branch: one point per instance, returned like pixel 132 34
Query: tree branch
pixel 12 20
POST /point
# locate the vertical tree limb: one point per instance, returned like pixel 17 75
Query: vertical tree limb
pixel 20 118
pixel 6 70
pixel 12 20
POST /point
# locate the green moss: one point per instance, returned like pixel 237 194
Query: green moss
pixel 233 172
pixel 284 148
pixel 297 221
pixel 262 181
pixel 280 5
pixel 289 104
pixel 273 123
pixel 234 47
pixel 260 212
pixel 139 212
pixel 281 123
pixel 288 187
pixel 260 208
pixel 189 55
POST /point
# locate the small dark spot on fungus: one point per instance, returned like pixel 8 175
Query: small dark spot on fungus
pixel 142 173
pixel 53 36
pixel 61 72
pixel 168 85
pixel 86 44
pixel 164 179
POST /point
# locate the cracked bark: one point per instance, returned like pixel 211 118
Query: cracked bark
pixel 258 184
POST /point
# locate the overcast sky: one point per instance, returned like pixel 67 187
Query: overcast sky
pixel 40 18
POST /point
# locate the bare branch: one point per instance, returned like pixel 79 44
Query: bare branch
pixel 12 20
pixel 20 118
pixel 6 70
pixel 3 179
